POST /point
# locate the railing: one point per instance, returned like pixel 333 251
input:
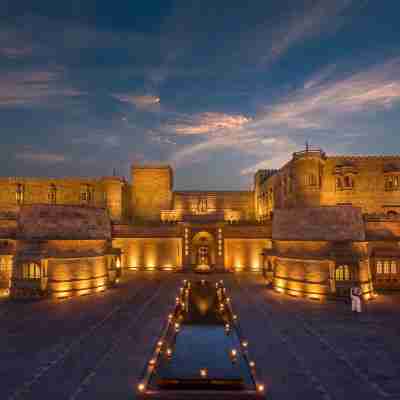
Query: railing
pixel 309 151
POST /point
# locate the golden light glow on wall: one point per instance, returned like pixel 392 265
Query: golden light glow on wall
pixel 232 216
pixel 244 254
pixel 77 276
pixel 152 253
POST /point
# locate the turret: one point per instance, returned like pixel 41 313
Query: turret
pixel 113 188
pixel 306 169
pixel 151 191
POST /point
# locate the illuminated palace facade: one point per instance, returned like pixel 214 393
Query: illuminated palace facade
pixel 314 227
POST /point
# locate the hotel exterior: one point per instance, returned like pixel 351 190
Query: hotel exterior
pixel 315 227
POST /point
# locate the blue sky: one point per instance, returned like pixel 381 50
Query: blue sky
pixel 217 89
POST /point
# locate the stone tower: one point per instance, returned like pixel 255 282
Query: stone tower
pixel 307 171
pixel 151 191
pixel 113 188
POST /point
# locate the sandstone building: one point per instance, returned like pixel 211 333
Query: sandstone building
pixel 314 226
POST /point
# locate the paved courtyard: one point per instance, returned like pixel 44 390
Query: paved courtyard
pixel 95 347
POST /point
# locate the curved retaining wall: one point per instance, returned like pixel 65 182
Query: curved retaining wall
pixel 302 277
pixel 76 276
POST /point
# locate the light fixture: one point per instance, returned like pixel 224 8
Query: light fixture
pixel 245 343
pixel 152 361
pixel 170 317
pixel 169 352
pixel 160 343
pixel 203 372
pixel 252 364
pixel 141 387
pixel 260 387
pixel 233 353
pixel 177 326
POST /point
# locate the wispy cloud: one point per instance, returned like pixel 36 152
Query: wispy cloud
pixel 36 87
pixel 324 15
pixel 320 106
pixel 41 157
pixel 209 123
pixel 143 102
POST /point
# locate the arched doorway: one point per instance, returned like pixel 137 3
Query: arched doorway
pixel 203 249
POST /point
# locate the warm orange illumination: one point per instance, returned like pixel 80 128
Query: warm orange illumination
pixel 169 352
pixel 141 387
pixel 160 343
pixel 260 387
pixel 233 353
pixel 203 372
pixel 245 343
pixel 152 362
pixel 252 364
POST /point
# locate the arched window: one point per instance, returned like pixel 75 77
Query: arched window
pixel 386 267
pixel 311 180
pixel 393 267
pixel 52 195
pixel 19 193
pixel 348 182
pixel 379 269
pixel 87 194
pixel 343 273
pixel 31 271
pixel 392 213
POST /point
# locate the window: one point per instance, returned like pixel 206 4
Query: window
pixel 379 269
pixel 348 182
pixel 311 180
pixel 392 182
pixel 343 273
pixel 31 271
pixel 393 267
pixel 339 185
pixel 52 195
pixel 386 267
pixel 19 193
pixel 202 206
pixel 87 193
pixel 5 267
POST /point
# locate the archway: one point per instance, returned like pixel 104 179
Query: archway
pixel 203 249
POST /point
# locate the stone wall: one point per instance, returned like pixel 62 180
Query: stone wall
pixel 151 191
pixel 150 253
pixel 302 276
pixel 214 202
pixel 76 276
pixel 114 187
pixel 311 179
pixel 244 254
pixel 318 223
pixel 36 190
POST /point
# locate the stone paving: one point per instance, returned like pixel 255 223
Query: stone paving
pixel 95 347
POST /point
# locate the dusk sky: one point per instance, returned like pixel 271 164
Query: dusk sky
pixel 217 89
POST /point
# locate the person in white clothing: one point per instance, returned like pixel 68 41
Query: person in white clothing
pixel 355 295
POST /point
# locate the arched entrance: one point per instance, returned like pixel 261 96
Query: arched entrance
pixel 203 249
